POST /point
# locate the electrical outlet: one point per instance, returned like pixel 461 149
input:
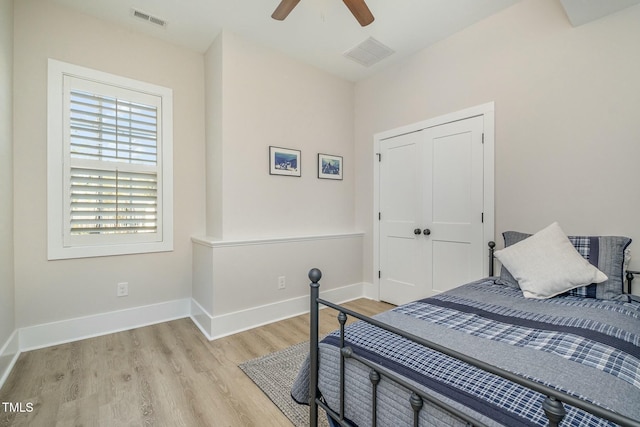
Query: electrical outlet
pixel 123 289
pixel 282 282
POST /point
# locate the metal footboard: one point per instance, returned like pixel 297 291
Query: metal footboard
pixel 552 405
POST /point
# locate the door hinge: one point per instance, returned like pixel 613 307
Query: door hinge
pixel 483 138
pixel 379 156
pixel 379 274
pixel 379 216
pixel 482 218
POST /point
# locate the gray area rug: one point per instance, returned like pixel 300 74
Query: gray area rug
pixel 274 374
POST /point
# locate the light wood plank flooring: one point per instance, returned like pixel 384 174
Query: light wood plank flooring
pixel 167 374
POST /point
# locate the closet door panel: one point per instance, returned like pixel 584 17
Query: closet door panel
pixel 455 216
pixel 402 261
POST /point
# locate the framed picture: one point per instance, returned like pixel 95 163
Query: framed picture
pixel 284 161
pixel 329 167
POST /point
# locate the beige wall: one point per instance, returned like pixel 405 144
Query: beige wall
pixel 213 68
pixel 54 290
pixel 271 99
pixel 566 100
pixel 257 97
pixel 7 301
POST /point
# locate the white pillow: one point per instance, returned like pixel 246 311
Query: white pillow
pixel 546 264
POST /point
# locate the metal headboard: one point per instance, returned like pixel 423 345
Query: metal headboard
pixel 630 274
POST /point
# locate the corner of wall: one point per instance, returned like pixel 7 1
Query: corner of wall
pixel 8 335
pixel 213 72
pixel 9 354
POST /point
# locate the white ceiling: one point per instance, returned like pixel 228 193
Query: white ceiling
pixel 317 32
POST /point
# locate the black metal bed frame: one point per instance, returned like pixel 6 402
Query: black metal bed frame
pixel 552 405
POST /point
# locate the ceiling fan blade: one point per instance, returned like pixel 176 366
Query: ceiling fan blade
pixel 284 8
pixel 360 11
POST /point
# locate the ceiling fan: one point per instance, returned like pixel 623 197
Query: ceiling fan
pixel 358 8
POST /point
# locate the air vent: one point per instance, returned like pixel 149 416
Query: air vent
pixel 149 18
pixel 369 52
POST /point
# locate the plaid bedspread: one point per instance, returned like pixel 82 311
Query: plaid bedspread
pixel 589 348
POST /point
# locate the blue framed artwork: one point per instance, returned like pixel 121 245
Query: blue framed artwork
pixel 284 161
pixel 329 167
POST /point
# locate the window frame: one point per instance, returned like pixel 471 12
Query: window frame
pixel 61 244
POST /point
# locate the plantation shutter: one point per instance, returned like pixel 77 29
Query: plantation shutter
pixel 112 181
pixel 109 164
pixel 111 201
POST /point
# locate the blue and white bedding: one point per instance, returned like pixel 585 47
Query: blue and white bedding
pixel 587 347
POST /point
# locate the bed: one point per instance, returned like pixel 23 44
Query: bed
pixel 488 352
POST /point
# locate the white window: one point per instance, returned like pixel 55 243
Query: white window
pixel 109 164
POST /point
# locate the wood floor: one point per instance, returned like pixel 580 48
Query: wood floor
pixel 167 374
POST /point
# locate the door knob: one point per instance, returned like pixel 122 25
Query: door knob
pixel 426 231
pixel 417 231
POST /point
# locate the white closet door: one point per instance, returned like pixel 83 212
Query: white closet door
pixel 402 255
pixel 456 197
pixel 431 199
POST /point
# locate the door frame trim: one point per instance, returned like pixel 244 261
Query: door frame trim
pixel 487 111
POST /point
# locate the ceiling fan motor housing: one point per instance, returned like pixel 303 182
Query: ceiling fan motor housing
pixel 358 8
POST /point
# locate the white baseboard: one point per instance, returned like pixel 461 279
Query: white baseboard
pixel 64 331
pixel 202 319
pixel 214 327
pixel 54 333
pixel 9 354
pixel 371 291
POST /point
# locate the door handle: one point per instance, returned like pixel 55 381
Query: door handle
pixel 426 232
pixel 417 231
